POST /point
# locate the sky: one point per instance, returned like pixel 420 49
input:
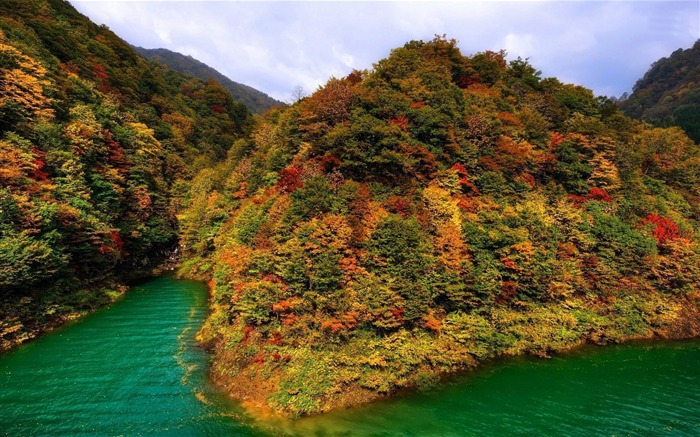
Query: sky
pixel 277 47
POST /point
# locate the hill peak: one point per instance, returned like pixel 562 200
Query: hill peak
pixel 256 101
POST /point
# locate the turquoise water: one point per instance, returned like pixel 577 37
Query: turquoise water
pixel 130 369
pixel 631 390
pixel 134 369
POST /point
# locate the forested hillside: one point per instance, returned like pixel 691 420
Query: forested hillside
pixel 96 147
pixel 256 101
pixel 398 225
pixel 669 93
pixel 432 213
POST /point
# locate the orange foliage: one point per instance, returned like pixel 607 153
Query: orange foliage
pixel 482 90
pixel 510 264
pixel 510 155
pixel 288 319
pixel 106 249
pixel 69 69
pixel 332 232
pixel 529 179
pixel 509 119
pixel 397 313
pixel 451 250
pixel 398 205
pixel 14 163
pixel 25 85
pixel 359 206
pixel 431 323
pixel 351 267
pixel 236 257
pixel 577 200
pixel 259 358
pixel 665 229
pixel 285 305
pixel 600 195
pixel 39 163
pixel 275 339
pixel 554 140
pixel 508 291
pixel 242 191
pixel 142 202
pixel 248 332
pixel 329 105
pixel 346 322
pixel 271 277
pixel 567 251
pixel 464 204
pixel 463 177
pixel 525 248
pixel 427 163
pixel 333 325
pixel 181 124
pixel 350 319
pixel 401 122
pixel 290 179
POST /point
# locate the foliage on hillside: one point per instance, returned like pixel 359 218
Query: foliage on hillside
pixel 669 93
pixel 256 101
pixel 95 143
pixel 429 214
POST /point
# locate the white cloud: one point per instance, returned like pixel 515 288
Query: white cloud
pixel 275 46
pixel 519 45
pixel 345 58
pixel 162 32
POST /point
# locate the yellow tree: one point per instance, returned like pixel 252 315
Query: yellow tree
pixel 23 83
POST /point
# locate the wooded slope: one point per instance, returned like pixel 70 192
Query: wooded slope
pixel 669 93
pixel 96 146
pixel 430 214
pixel 256 101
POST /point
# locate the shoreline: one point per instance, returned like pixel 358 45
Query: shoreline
pixel 254 395
pixel 15 332
pixel 263 414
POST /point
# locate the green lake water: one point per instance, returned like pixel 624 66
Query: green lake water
pixel 134 369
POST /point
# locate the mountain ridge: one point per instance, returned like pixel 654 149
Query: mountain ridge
pixel 669 92
pixel 255 100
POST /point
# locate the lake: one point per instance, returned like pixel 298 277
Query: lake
pixel 134 369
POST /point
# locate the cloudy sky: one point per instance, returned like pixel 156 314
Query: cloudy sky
pixel 279 46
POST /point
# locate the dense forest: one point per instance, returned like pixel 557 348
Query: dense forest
pixel 432 213
pixel 399 224
pixel 97 145
pixel 669 93
pixel 256 101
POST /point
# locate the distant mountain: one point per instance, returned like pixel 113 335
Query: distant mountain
pixel 255 100
pixel 669 93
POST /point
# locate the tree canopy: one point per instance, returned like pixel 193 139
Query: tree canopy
pixel 97 146
pixel 430 213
